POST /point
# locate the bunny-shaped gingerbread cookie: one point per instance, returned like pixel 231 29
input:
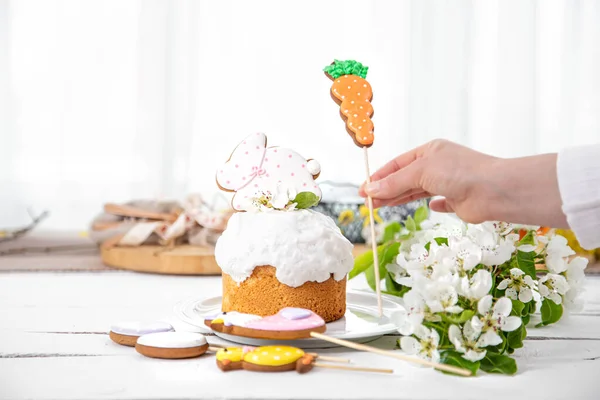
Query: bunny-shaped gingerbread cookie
pixel 271 176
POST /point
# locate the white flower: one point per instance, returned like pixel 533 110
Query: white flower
pixel 575 274
pixel 495 249
pixel 466 341
pixel 477 286
pixel 553 286
pixel 493 319
pixel 556 254
pixel 440 296
pixel 467 254
pixel 411 315
pixel 558 247
pixel 527 248
pixel 573 300
pixel 399 271
pixel 427 345
pixel 518 286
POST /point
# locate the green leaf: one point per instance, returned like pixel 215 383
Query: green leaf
pixel 441 241
pixel 527 239
pixel 390 231
pixel 458 319
pixel 306 200
pixel 515 338
pixel 410 224
pixel 421 214
pixel 517 308
pixel 525 262
pixel 393 287
pixel 526 319
pixel 551 312
pixel 498 364
pixel 454 358
pixel 370 275
pixel 346 67
pixel 361 263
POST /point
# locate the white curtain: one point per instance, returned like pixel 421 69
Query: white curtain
pixel 110 100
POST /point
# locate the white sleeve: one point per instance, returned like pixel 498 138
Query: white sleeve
pixel 578 170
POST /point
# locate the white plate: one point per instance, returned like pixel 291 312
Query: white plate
pixel 361 322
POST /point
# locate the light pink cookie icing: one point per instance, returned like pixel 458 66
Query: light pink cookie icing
pixel 254 170
pixel 288 319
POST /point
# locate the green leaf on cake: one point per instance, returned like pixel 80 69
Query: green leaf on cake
pixel 306 200
pixel 346 67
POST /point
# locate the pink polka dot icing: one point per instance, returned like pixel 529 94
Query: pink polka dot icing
pixel 288 319
pixel 250 175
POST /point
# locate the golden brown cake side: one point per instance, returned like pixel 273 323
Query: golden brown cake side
pixel 262 294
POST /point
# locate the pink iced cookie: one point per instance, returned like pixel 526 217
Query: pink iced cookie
pixel 288 319
pixel 288 324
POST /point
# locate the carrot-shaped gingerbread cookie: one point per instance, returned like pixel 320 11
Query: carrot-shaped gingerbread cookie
pixel 353 94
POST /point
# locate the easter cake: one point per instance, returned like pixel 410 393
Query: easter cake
pixel 276 252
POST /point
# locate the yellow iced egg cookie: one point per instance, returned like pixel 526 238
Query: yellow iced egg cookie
pixel 273 356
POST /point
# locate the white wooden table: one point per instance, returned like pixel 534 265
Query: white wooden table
pixel 54 345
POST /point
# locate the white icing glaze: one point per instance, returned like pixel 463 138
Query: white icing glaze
pixel 237 318
pixel 134 328
pixel 302 245
pixel 172 340
pixel 254 170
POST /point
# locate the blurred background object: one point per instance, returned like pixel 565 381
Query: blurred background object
pixel 112 100
pixel 342 203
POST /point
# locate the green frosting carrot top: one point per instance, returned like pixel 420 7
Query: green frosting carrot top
pixel 346 67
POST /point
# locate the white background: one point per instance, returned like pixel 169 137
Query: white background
pixel 109 100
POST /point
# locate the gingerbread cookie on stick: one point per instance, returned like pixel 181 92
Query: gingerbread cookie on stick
pixel 354 94
pixel 288 324
pixel 276 359
pixel 272 177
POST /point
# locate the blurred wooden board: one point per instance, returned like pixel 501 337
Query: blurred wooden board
pixel 180 260
pixel 359 249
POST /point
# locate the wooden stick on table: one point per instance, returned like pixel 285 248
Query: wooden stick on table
pixel 330 359
pixel 393 354
pixel 346 368
pixel 373 239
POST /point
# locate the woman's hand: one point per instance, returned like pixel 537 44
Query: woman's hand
pixel 475 186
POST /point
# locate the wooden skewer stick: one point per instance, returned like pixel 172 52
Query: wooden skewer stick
pixel 330 359
pixel 347 368
pixel 362 347
pixel 214 349
pixel 373 239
